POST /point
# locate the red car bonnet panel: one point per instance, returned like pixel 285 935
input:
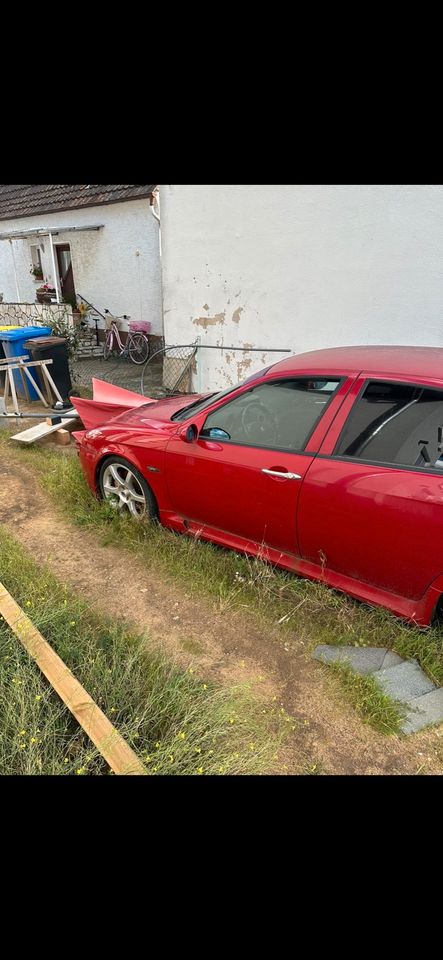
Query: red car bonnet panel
pixel 110 393
pixel 156 410
pixel 107 402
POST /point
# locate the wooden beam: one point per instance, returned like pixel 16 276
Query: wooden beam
pixel 13 359
pixel 49 380
pixel 42 430
pixel 25 385
pixel 117 753
pixel 15 405
pixel 63 437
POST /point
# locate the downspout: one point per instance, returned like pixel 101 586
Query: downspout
pixel 15 271
pixel 154 200
pixel 53 268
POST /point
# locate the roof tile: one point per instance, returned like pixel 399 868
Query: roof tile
pixel 31 199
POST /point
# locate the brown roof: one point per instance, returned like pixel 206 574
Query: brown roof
pixel 31 199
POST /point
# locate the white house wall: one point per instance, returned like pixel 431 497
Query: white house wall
pixel 301 267
pixel 117 267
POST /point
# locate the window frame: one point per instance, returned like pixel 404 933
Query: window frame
pixel 35 252
pixel 391 465
pixel 257 446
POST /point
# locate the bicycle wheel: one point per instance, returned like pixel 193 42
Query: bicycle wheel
pixel 138 348
pixel 107 346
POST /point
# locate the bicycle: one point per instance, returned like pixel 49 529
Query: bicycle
pixel 136 347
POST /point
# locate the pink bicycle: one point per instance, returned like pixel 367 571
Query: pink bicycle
pixel 136 347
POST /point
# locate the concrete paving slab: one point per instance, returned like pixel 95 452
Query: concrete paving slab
pixel 424 711
pixel 363 660
pixel 391 660
pixel 404 682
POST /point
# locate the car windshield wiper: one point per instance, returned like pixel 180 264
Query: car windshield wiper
pixel 175 416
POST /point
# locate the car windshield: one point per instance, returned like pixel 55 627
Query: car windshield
pixel 200 405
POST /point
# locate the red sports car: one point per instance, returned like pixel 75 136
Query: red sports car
pixel 329 464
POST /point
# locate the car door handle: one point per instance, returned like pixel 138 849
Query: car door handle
pixel 281 473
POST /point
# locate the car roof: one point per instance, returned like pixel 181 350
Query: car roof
pixel 384 360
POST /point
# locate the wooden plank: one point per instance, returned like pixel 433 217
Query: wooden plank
pixel 14 363
pixel 25 385
pixel 13 359
pixel 47 387
pixel 117 753
pixel 49 381
pixel 15 405
pixel 40 431
pixel 6 392
pixel 63 437
pixel 35 386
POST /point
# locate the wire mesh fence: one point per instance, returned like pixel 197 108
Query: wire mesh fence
pixel 170 370
pixel 120 372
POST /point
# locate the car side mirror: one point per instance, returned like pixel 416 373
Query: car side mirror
pixel 216 433
pixel 189 434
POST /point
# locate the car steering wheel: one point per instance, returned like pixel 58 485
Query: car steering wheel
pixel 257 420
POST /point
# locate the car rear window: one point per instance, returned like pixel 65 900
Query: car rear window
pixel 395 423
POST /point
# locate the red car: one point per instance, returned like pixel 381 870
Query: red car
pixel 329 464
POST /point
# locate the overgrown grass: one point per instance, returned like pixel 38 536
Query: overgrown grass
pixel 175 721
pixel 373 706
pixel 311 611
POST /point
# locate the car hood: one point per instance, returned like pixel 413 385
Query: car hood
pixel 155 410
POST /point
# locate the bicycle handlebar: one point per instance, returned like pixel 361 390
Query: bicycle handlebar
pixel 124 316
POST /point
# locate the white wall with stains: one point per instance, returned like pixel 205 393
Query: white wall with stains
pixel 302 267
pixel 117 267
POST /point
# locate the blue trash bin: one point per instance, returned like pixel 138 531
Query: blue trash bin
pixel 12 341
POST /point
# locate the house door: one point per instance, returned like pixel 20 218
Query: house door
pixel 65 273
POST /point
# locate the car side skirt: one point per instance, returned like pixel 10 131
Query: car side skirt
pixel 418 612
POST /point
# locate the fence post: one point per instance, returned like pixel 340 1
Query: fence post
pixel 199 369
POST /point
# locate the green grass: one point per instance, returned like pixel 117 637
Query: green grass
pixel 373 706
pixel 175 721
pixel 311 611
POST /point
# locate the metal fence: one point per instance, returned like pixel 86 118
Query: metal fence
pixel 181 365
pixel 172 369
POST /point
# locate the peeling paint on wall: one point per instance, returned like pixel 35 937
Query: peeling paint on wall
pixel 242 367
pixel 236 314
pixel 206 322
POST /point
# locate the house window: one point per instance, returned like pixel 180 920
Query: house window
pixel 36 262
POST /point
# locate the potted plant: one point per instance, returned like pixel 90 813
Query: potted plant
pixel 45 293
pixel 82 311
pixel 37 272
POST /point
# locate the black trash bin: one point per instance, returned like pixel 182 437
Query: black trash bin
pixel 2 374
pixel 55 349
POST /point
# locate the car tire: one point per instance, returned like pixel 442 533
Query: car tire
pixel 129 486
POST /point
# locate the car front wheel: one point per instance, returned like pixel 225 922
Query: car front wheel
pixel 121 484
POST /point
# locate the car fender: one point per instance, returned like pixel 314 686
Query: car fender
pixel 153 472
pixel 432 597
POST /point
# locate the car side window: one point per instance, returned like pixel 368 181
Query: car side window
pixel 280 414
pixel 395 423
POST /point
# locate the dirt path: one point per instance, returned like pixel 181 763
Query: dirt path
pixel 226 646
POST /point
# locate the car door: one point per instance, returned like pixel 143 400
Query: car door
pixel 371 506
pixel 243 473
